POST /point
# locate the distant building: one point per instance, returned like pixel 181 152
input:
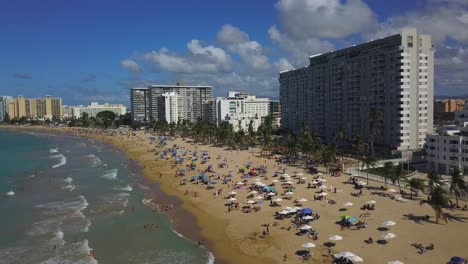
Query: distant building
pixel 67 111
pixel 240 109
pixel 140 104
pixel 35 108
pixel 94 108
pixel 191 99
pixel 392 77
pixel 275 111
pixel 169 107
pixel 448 148
pixel 3 107
pixel 448 105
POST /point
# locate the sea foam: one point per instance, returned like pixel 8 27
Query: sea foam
pixel 10 193
pixel 127 188
pixel 68 179
pixel 55 150
pixel 63 160
pixel 94 161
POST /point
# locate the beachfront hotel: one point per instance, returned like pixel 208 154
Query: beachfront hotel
pixel 145 102
pixel 94 108
pixel 34 108
pixel 391 79
pixel 3 107
pixel 447 148
pixel 240 109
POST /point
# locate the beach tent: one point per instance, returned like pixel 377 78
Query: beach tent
pixel 306 211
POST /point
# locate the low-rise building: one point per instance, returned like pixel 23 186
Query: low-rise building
pixel 94 108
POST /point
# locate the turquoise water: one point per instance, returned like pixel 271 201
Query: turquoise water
pixel 62 197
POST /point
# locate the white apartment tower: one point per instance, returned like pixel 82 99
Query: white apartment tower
pixel 388 82
pixel 169 107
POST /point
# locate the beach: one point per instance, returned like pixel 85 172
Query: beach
pixel 237 237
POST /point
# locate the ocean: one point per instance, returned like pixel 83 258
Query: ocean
pixel 66 199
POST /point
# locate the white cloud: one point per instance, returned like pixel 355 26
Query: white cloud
pixel 303 19
pixel 131 65
pixel 229 35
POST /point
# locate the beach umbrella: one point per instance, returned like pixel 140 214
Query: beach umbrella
pixel 259 197
pixel 307 217
pixel 457 259
pixel 289 193
pixel 392 190
pixel 306 211
pixel 345 254
pixel 314 182
pixel 283 212
pixel 323 194
pixel 345 217
pixel 250 202
pixel 388 236
pixel 275 181
pixel 395 262
pixel 321 180
pixel 271 194
pixel 371 202
pixel 300 174
pixel 292 210
pixel 319 173
pixel 302 200
pixel 286 175
pixel 278 200
pixel 253 192
pixel 308 245
pixel 232 193
pixel 289 182
pixel 239 183
pixel 348 204
pixel 305 227
pixel 335 238
pixel 232 199
pixel 361 183
pixel 287 208
pixel 389 223
pixel 303 178
pixel 296 208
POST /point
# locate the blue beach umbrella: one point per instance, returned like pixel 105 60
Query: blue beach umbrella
pixel 456 260
pixel 306 211
pixel 202 174
pixel 213 183
pixel 194 177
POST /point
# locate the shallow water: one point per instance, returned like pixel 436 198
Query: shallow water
pixel 62 197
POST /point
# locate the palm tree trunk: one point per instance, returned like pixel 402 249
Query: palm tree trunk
pixel 456 199
pixel 367 174
pixel 399 187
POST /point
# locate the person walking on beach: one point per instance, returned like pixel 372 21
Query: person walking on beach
pixel 285 257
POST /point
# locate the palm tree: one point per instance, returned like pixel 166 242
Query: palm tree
pixel 328 154
pixel 359 145
pixel 433 180
pixel 397 176
pixel 388 170
pixel 458 186
pixel 368 161
pixel 416 185
pixel 437 200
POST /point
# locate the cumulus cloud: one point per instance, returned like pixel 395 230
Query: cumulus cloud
pixel 22 76
pixel 303 19
pixel 131 65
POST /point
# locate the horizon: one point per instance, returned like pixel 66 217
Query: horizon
pixel 72 51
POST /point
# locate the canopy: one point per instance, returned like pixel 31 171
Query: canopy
pixel 306 211
pixel 389 223
pixel 335 238
pixel 308 245
pixel 389 236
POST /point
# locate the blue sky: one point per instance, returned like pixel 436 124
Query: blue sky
pixel 96 50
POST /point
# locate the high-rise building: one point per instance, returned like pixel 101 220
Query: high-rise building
pixel 3 107
pixel 449 105
pixel 191 100
pixel 169 107
pixel 35 108
pixel 94 108
pixel 240 109
pixel 387 84
pixel 140 104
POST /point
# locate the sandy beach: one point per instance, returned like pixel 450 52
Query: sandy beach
pixel 236 237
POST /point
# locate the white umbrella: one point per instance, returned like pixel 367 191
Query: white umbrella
pixel 299 174
pixel 287 208
pixel 240 183
pixel 307 217
pixel 392 190
pixel 296 208
pixel 323 187
pixel 345 254
pixel 389 236
pixel 371 202
pixel 355 259
pixel 250 202
pixel 303 178
pixel 275 181
pixel 395 262
pixel 319 173
pixel 323 194
pixel 289 182
pixel 277 200
pixel 335 238
pixel 361 183
pixel 348 204
pixel 389 223
pixel 285 175
pixel 308 245
pixel 305 227
pixel 289 193
pixel 314 182
pixel 253 192
pixel 259 197
pixel 283 212
pixel 271 194
pixel 232 193
pixel 321 180
pixel 257 179
pixel 293 210
pixel 302 200
pixel 232 199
